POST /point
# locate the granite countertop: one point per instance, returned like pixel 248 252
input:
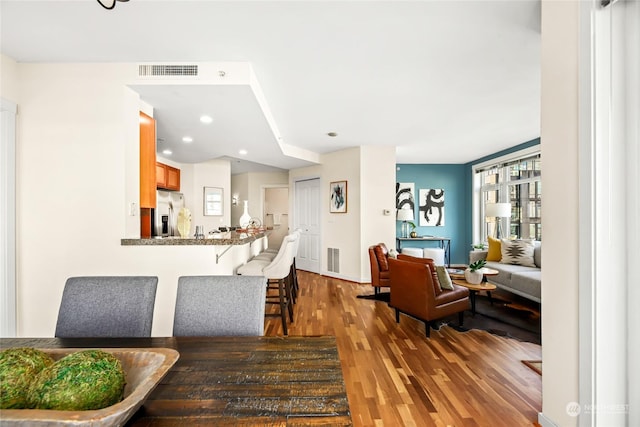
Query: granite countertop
pixel 221 239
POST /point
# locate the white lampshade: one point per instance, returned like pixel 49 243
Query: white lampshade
pixel 404 215
pixel 498 210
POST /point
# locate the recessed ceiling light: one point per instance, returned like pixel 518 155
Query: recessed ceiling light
pixel 187 139
pixel 332 134
pixel 206 119
pixel 243 152
pixel 167 152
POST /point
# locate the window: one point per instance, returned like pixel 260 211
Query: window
pixel 515 180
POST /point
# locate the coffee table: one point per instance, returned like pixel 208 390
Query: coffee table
pixel 474 289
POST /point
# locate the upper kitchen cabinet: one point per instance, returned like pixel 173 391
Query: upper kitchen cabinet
pixel 167 177
pixel 147 161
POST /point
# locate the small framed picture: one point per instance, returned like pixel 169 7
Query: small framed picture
pixel 338 197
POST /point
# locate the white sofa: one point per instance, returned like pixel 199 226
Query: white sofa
pixel 521 280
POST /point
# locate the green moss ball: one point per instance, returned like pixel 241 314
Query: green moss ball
pixel 18 367
pixel 85 380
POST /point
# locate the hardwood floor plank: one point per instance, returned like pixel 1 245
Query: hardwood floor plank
pixel 395 376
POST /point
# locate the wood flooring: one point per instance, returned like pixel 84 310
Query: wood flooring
pixel 395 376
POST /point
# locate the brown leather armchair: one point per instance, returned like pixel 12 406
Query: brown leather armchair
pixel 378 259
pixel 416 291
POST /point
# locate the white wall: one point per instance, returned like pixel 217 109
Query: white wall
pixel 378 176
pixel 9 81
pixel 77 173
pixel 368 172
pixel 342 230
pixel 559 142
pixel 239 187
pixel 214 173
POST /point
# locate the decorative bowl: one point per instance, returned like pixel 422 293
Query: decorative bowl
pixel 144 368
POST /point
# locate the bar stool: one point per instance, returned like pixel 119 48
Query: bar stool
pixel 278 273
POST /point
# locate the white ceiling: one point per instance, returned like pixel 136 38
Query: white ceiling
pixel 442 81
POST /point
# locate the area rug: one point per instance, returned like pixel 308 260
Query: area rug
pixel 509 316
pixel 536 365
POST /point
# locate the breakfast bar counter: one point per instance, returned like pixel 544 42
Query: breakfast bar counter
pixel 218 239
pixel 231 381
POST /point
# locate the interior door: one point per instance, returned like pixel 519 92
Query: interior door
pixel 307 211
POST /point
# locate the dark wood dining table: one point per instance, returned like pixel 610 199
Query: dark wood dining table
pixel 239 381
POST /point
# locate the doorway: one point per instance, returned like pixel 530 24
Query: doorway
pixel 276 214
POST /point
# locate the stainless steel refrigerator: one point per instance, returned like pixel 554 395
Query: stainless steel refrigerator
pixel 165 217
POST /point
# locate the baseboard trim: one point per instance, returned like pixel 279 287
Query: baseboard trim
pixel 544 421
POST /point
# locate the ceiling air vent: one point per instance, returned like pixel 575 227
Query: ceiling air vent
pixel 167 70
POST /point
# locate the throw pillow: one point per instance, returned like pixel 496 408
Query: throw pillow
pixel 443 277
pixel 519 252
pixel 495 250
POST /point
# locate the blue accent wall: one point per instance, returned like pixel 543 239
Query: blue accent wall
pixel 456 180
pixel 451 178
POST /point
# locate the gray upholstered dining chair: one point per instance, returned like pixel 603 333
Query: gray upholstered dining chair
pixel 220 305
pixel 107 306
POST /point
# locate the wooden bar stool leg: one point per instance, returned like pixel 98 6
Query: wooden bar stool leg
pixel 283 305
pixel 291 280
pixel 287 289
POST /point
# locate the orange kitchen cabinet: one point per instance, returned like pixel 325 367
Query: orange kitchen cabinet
pixel 167 177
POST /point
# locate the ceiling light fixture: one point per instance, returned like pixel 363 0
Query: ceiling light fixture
pixel 187 139
pixel 167 152
pixel 332 134
pixel 206 119
pixel 242 152
pixel 109 4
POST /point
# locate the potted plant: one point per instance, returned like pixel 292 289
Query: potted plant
pixel 473 273
pixel 413 233
pixel 479 246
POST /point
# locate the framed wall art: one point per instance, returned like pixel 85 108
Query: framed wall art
pixel 432 207
pixel 338 197
pixel 213 202
pixel 405 195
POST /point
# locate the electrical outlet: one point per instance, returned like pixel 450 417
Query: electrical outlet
pixel 133 209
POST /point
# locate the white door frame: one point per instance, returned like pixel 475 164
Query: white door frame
pixel 8 219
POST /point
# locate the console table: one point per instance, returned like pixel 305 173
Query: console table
pixel 443 242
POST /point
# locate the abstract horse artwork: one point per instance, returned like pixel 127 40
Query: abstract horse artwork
pixel 432 207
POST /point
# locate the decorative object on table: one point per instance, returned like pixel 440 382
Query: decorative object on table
pixel 338 197
pixel 184 222
pixel 18 367
pixel 144 369
pixel 245 218
pixel 479 246
pixel 473 274
pixel 405 215
pixel 413 234
pixel 405 195
pixel 199 232
pixel 432 207
pixel 84 380
pixel 213 201
pixel 254 225
pixel 498 211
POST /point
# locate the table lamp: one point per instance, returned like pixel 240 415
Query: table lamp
pixel 498 210
pixel 405 215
